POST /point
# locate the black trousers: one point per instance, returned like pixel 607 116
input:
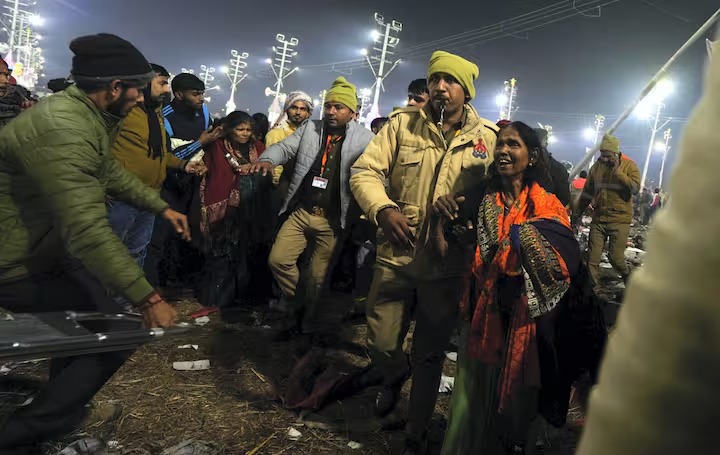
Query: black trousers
pixel 61 406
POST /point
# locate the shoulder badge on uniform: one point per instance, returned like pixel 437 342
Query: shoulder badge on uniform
pixel 480 150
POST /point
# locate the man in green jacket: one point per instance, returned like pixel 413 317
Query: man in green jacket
pixel 612 182
pixel 59 252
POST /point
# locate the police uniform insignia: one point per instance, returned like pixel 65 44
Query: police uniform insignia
pixel 480 151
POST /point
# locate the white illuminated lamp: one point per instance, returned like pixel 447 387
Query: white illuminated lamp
pixel 375 35
pixel 501 100
pixel 589 134
pixel 36 21
pixel 224 69
pixel 364 52
pixel 659 146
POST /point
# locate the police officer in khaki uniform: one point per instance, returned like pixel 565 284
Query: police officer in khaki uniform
pixel 421 154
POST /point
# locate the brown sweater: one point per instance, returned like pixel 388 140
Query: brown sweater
pixel 131 150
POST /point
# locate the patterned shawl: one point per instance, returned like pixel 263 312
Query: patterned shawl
pixel 510 245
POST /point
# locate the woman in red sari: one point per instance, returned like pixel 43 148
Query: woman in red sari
pixel 234 211
pixel 512 363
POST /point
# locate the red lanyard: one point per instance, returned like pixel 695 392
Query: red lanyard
pixel 330 142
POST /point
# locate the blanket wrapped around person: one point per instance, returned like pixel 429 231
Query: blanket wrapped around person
pixel 532 325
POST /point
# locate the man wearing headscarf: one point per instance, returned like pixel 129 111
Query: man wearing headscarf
pixel 317 201
pixel 59 252
pixel 298 108
pixel 421 154
pixel 141 148
pixel 610 186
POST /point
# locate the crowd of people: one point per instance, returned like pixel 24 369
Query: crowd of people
pixel 112 194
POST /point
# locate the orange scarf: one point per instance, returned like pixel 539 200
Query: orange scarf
pixel 498 255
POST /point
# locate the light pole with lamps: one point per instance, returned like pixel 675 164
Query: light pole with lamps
pixel 662 90
pixel 385 44
pixel 665 149
pixel 236 75
pixel 282 61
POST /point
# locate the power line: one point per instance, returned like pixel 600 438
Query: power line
pixel 521 23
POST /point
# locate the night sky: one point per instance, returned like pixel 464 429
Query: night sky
pixel 568 70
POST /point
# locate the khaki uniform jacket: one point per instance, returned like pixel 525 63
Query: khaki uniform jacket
pixel 612 193
pixel 411 157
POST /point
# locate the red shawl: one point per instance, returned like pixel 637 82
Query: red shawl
pixel 219 186
pixel 509 245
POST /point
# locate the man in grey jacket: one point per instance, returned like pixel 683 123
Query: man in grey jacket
pixel 317 201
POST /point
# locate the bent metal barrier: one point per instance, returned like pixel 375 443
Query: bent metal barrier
pixel 64 334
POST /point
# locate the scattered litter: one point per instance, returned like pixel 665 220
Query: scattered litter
pixel 293 434
pixel 85 446
pixel 192 447
pixel 635 255
pixel 114 445
pixel 452 356
pixel 207 311
pixel 266 327
pixel 260 376
pixel 202 320
pixel 192 366
pixel 8 317
pixel 4 369
pixel 355 445
pixel 446 384
pixel 189 346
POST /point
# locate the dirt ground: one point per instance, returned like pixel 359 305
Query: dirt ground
pixel 233 406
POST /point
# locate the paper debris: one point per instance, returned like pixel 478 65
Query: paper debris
pixel 202 321
pixel 192 366
pixel 189 346
pixel 293 434
pixel 446 384
pixel 8 317
pixel 4 369
pixel 452 356
pixel 355 445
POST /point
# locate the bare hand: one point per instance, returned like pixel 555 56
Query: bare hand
pixel 244 169
pixel 179 222
pixel 196 167
pixel 211 135
pixel 448 207
pixel 396 227
pixel 264 167
pixel 159 313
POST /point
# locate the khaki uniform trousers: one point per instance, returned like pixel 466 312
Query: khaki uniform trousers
pixel 393 300
pixel 300 230
pixel 618 235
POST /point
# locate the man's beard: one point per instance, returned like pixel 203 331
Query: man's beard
pixel 154 102
pixel 117 107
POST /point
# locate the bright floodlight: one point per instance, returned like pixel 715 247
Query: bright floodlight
pixel 375 35
pixel 501 99
pixel 365 91
pixel 36 20
pixel 645 109
pixel 659 146
pixel 589 134
pixel 268 61
pixel 224 69
pixel 552 140
pixel 363 52
pixel 663 89
pixel 316 102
